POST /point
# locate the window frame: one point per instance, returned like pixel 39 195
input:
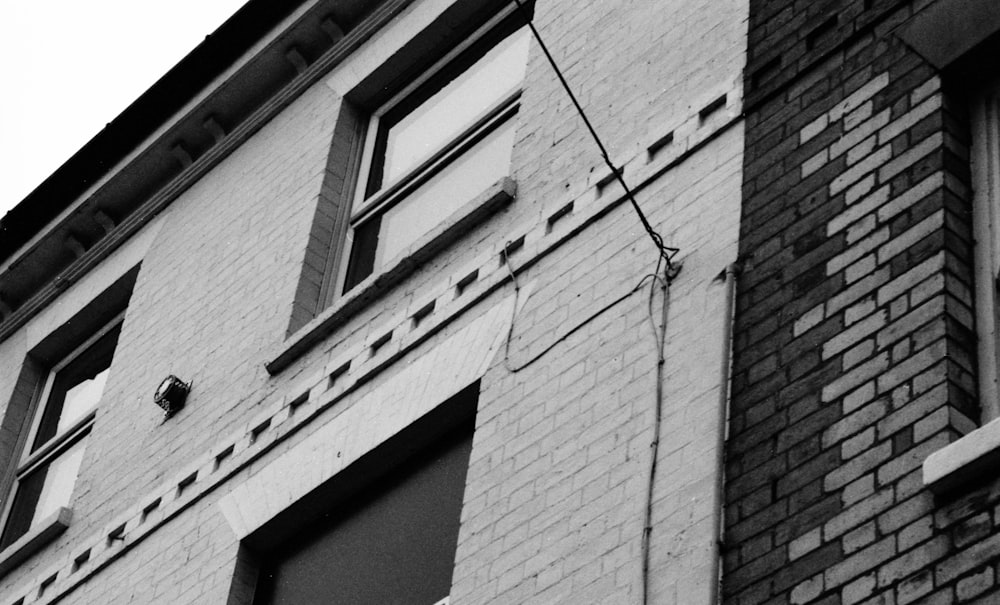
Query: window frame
pixel 985 169
pixel 32 459
pixel 368 207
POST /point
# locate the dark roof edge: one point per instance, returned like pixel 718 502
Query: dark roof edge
pixel 139 120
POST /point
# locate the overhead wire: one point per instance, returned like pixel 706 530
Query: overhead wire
pixel 517 293
pixel 665 252
pixel 670 270
pixel 659 333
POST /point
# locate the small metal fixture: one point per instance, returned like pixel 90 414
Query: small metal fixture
pixel 170 395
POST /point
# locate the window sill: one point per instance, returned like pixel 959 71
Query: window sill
pixel 35 539
pixel 477 210
pixel 965 460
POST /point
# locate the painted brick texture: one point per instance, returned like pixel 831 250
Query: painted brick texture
pixel 556 487
pixel 854 344
pixel 568 440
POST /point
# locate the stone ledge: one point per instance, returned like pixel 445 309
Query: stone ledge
pixel 36 539
pixel 455 226
pixel 965 460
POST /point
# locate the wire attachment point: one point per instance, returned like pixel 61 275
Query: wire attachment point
pixel 673 270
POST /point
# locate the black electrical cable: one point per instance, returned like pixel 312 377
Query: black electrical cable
pixel 665 252
pixel 517 292
pixel 666 255
pixel 660 336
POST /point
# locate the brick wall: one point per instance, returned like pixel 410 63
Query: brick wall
pixel 854 346
pixel 207 302
pixel 557 478
pixel 555 497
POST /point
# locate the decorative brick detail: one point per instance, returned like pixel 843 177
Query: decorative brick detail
pixel 556 484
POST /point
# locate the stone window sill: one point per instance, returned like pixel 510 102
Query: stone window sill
pixel 965 460
pixel 476 211
pixel 35 539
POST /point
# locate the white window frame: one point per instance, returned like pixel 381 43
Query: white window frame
pixel 365 207
pixel 985 163
pixel 50 451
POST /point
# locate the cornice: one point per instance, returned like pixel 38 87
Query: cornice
pixel 177 157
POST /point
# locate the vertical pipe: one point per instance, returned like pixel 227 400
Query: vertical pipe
pixel 718 497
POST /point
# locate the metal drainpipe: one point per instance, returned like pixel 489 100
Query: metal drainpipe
pixel 720 452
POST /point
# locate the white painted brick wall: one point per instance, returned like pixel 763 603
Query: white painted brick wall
pixel 557 477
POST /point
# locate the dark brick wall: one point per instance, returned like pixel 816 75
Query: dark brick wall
pixel 854 352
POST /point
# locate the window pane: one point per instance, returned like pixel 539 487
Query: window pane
pixel 42 492
pixel 433 201
pixel 363 252
pixel 57 490
pixel 77 388
pixel 81 399
pixel 22 511
pixel 443 116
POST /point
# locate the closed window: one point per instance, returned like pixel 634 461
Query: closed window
pixel 64 415
pixel 437 144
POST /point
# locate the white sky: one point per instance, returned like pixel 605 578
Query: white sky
pixel 71 66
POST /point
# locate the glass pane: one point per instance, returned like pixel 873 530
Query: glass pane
pixel 467 176
pixel 57 490
pixel 22 511
pixel 443 116
pixel 81 398
pixel 77 388
pixel 42 492
pixel 363 252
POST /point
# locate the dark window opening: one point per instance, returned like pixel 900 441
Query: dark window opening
pixel 384 530
pixel 393 543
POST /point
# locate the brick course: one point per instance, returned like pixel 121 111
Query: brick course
pixel 556 485
pixel 852 136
